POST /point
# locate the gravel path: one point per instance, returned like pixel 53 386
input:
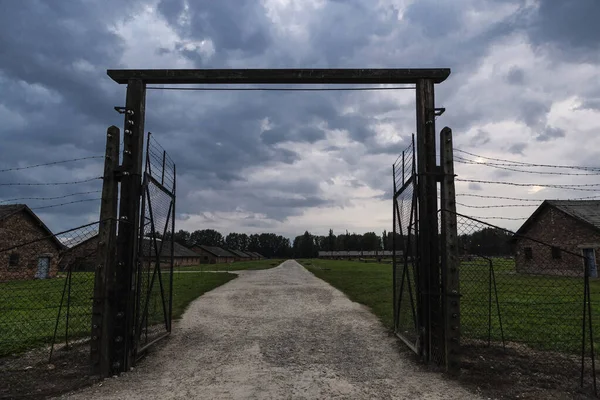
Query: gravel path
pixel 277 334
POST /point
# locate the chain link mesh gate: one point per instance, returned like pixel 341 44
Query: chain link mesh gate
pixel 154 275
pixel 424 299
pixel 404 243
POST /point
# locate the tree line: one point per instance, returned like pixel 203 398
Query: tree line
pixel 272 245
pixel 485 242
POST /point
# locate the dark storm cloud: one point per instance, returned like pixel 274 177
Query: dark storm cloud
pixel 550 133
pixel 569 25
pixel 54 94
pixel 239 26
pixel 435 19
pixel 517 148
pixel 515 76
pixel 502 174
pixel 533 113
pixel 290 133
pixel 57 101
pixel 590 104
pixel 481 138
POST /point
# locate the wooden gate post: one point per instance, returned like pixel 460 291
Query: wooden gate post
pixel 394 261
pixel 450 261
pixel 105 267
pixel 129 215
pixel 428 267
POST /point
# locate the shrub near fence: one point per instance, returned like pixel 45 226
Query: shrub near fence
pixel 519 324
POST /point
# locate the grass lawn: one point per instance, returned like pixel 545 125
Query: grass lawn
pixel 544 312
pixel 236 266
pixel 29 309
pixel 366 283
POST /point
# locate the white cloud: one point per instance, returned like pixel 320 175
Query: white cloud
pixel 150 42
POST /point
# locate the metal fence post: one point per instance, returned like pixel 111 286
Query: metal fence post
pixel 450 261
pixel 394 278
pixel 105 266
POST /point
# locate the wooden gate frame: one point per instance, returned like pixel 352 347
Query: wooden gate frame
pixel 116 342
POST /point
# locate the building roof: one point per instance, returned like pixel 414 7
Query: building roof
pixel 258 254
pixel 165 251
pixel 254 254
pixel 9 210
pixel 216 251
pixel 239 253
pixel 586 211
pixel 348 253
pixel 182 251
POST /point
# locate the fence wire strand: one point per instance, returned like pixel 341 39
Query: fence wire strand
pixel 46 290
pixel 522 302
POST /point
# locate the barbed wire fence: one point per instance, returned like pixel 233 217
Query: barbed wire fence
pixel 529 297
pixel 46 278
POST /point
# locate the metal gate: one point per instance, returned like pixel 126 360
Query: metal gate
pixel 154 275
pixel 425 266
pixel 405 256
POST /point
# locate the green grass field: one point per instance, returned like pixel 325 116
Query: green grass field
pixel 544 312
pixel 366 283
pixel 29 309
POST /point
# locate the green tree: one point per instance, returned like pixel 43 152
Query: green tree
pixel 331 241
pixel 206 237
pixel 182 237
pixel 370 242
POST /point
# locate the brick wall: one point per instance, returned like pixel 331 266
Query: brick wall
pixel 82 257
pixel 555 228
pixel 184 261
pixel 205 256
pixel 22 228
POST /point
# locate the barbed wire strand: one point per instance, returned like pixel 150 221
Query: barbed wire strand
pixel 505 218
pixel 496 205
pixel 518 198
pixel 555 186
pixel 50 163
pixel 522 163
pixel 64 204
pixel 49 198
pixel 51 183
pixel 461 160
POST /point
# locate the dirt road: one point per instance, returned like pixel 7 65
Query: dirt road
pixel 277 334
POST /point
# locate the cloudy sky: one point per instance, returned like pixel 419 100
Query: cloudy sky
pixel 525 86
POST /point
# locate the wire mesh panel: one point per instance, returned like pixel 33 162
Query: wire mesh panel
pixel 46 290
pixel 526 308
pixel 155 261
pixel 406 318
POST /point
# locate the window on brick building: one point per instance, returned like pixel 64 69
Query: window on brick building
pixel 13 260
pixel 528 253
pixel 556 253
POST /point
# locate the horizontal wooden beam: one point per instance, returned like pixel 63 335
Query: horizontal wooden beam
pixel 279 76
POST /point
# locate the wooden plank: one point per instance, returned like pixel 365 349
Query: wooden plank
pixel 129 216
pixel 427 198
pixel 450 261
pixel 280 76
pixel 101 308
